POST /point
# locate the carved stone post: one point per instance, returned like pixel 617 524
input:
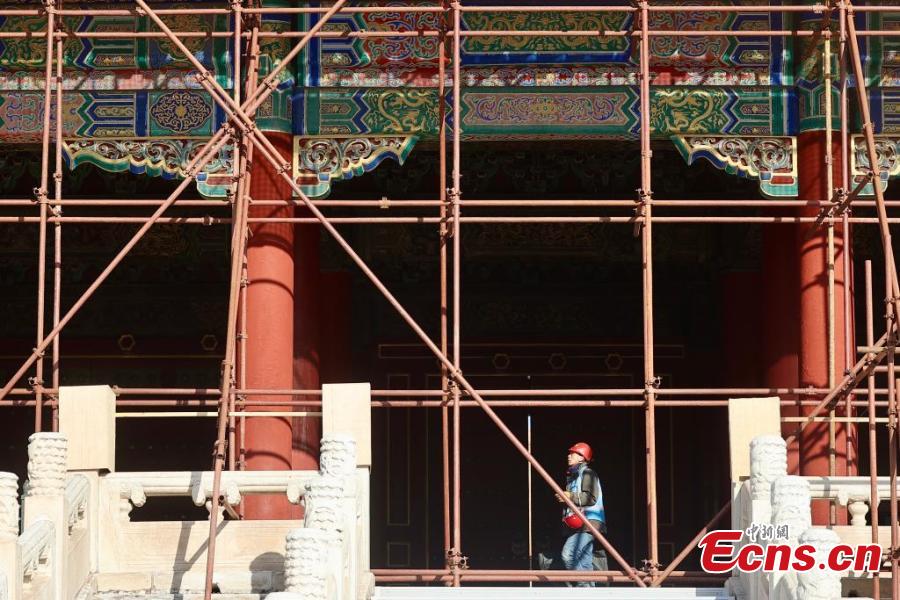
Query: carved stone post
pixel 45 497
pixel 768 462
pixel 338 455
pixel 10 583
pixel 308 566
pixel 790 507
pixel 819 584
pixel 332 503
pixel 326 504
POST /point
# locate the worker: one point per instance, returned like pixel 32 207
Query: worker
pixel 580 551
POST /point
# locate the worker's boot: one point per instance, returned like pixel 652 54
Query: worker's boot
pixel 545 563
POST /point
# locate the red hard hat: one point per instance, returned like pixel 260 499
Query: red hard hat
pixel 583 450
pixel 573 521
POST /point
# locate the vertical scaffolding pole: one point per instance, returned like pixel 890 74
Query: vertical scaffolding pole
pixel 236 6
pixel 646 209
pixel 890 317
pixel 873 445
pixel 443 232
pixel 237 253
pixel 41 194
pixel 830 262
pixel 457 308
pixel 57 225
pixel 849 342
pixel 244 190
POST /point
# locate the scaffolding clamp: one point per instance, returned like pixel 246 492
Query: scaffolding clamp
pixel 219 452
pixel 456 561
pixel 644 198
pixel 651 567
pixel 453 195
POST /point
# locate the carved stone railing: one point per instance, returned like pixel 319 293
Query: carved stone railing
pixel 51 556
pixel 134 488
pixel 335 501
pixel 852 492
pixel 36 551
pixel 77 533
pixel 78 493
pixel 328 558
pixel 770 500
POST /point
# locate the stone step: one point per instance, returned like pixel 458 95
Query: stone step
pixel 548 593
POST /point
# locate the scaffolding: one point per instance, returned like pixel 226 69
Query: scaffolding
pixel 456 392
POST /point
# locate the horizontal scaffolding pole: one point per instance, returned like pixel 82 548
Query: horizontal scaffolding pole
pixel 426 33
pixel 806 391
pixel 209 220
pixel 119 12
pixel 386 203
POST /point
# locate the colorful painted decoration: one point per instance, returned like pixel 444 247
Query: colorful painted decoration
pixel 320 161
pixel 113 115
pixel 157 158
pixel 887 150
pixel 734 99
pixel 505 112
pixel 770 160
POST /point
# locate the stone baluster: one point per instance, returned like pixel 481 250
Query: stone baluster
pixel 791 507
pixel 331 504
pixel 858 508
pixel 10 582
pixel 819 584
pixel 45 497
pixel 325 510
pixel 337 455
pixel 308 566
pixel 9 505
pixel 768 462
pixel 46 465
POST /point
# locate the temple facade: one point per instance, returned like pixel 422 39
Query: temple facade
pixel 522 224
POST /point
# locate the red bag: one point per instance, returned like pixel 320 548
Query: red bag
pixel 573 521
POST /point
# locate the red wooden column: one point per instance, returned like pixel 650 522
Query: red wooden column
pixel 307 288
pixel 812 252
pixel 780 321
pixel 270 328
